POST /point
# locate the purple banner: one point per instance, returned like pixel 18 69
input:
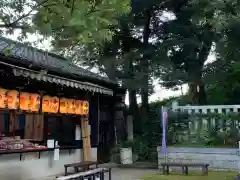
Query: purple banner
pixel 164 125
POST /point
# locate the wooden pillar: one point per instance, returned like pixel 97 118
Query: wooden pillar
pixel 87 155
pixel 12 122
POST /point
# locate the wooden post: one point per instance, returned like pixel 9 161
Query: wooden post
pixel 87 156
pixel 12 122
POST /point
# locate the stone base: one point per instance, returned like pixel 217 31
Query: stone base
pixel 217 158
pixel 11 168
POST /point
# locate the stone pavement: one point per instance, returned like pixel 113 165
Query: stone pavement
pixel 124 174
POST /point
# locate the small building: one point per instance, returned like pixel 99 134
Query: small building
pixel 48 103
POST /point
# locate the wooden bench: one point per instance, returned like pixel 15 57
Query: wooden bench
pixel 185 167
pixel 84 165
pixel 90 174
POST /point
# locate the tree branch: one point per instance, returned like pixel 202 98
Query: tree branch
pixel 13 26
pixel 14 23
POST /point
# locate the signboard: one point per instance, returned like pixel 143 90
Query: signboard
pixel 34 102
pixel 3 98
pixel 24 101
pixel 13 99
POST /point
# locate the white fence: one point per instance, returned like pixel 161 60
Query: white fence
pixel 205 109
pixel 204 123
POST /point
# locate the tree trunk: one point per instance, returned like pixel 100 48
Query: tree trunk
pixel 202 95
pixel 197 91
pixel 133 109
pixel 145 68
pixel 197 94
pixel 133 106
pixel 129 75
pixel 197 86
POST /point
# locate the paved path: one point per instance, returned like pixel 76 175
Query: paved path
pixel 123 174
pixel 130 174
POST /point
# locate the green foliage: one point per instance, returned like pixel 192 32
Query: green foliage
pixel 223 83
pixel 143 150
pixel 223 133
pixel 222 14
pixel 67 21
pixel 177 125
pixel 220 175
pixel 81 21
pixel 126 144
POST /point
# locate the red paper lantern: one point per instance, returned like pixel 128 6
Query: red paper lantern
pixel 63 105
pixel 71 106
pixel 13 99
pixel 34 102
pixel 85 107
pixel 24 101
pixel 54 104
pixel 78 110
pixel 46 104
pixel 3 98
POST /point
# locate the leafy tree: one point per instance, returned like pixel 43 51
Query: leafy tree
pixel 84 20
pixel 223 85
pixel 187 43
pixel 125 58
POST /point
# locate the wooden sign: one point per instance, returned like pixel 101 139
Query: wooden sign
pixel 24 101
pixel 63 106
pixel 85 108
pixel 34 102
pixel 3 98
pixel 13 99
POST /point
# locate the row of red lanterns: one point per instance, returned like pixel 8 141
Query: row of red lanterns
pixel 12 99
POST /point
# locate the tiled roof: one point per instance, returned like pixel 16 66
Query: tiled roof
pixel 45 60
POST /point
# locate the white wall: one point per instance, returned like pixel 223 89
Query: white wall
pixel 11 168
